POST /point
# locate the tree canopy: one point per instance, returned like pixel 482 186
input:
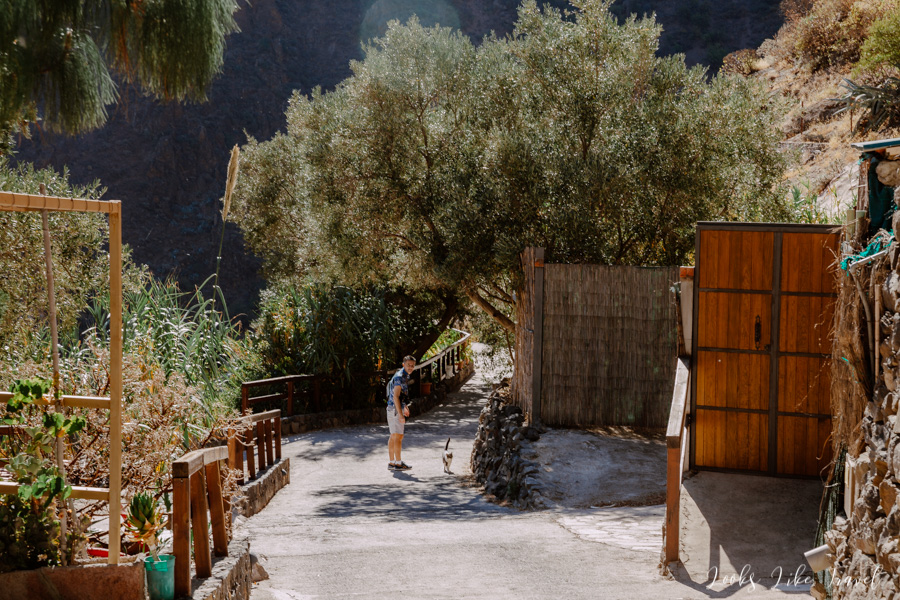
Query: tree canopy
pixel 58 57
pixel 437 162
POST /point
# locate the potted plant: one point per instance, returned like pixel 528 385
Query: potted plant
pixel 145 520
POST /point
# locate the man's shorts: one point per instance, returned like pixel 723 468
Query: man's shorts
pixel 394 422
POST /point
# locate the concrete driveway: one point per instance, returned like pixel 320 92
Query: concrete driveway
pixel 346 527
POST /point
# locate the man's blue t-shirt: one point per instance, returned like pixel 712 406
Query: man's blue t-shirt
pixel 400 378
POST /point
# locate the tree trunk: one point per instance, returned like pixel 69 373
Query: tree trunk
pixel 419 347
pixel 491 310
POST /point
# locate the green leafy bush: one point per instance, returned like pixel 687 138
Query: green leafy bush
pixel 882 47
pixel 29 523
pixel 833 31
pixel 322 330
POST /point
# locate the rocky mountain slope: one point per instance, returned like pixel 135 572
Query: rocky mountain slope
pixel 167 162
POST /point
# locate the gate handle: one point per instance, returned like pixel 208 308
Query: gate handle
pixel 757 332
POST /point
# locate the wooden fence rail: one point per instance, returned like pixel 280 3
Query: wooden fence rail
pixel 437 368
pixel 675 437
pixel 197 502
pixel 266 429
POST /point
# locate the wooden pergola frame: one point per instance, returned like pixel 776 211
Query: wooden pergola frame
pixel 113 494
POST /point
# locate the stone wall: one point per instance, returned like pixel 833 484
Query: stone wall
pixel 497 461
pixel 863 547
pixel 258 492
pixel 230 578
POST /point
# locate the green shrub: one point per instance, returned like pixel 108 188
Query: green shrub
pixel 834 31
pixel 322 330
pixel 882 47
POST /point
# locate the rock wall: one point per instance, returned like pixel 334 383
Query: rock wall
pixel 231 579
pixel 497 461
pixel 261 490
pixel 863 547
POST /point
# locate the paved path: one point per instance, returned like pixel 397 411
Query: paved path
pixel 346 527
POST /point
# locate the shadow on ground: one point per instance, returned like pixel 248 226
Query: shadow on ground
pixel 423 498
pixel 758 526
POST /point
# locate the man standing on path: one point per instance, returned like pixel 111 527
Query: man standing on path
pixel 397 411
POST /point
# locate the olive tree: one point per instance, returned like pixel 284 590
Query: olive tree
pixel 437 162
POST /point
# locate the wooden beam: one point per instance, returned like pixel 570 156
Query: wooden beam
pixel 678 409
pixel 261 444
pixel 192 462
pixel 270 455
pixel 83 493
pixel 200 524
pixel 11 201
pixel 216 509
pixel 674 458
pixel 181 543
pixel 115 380
pixel 70 401
pixel 538 337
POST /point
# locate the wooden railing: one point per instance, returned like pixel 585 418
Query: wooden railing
pixel 439 367
pixel 445 365
pixel 675 438
pixel 266 428
pixel 197 502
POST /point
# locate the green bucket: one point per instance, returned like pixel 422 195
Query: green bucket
pixel 160 577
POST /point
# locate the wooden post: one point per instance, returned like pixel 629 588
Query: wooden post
pixel 290 402
pixel 538 338
pixel 674 447
pixel 245 399
pixel 673 502
pixel 216 508
pixel 248 445
pixel 261 444
pixel 181 524
pixel 115 381
pixel 277 438
pixel 270 458
pixel 236 455
pixel 200 525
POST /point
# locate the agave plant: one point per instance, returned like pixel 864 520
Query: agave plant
pixel 880 102
pixel 145 520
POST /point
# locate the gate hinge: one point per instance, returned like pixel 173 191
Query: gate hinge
pixel 687 419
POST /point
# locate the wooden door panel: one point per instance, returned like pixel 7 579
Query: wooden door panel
pixel 728 320
pixel 731 380
pixel 735 410
pixel 805 324
pixel 809 262
pixel 731 440
pixel 736 260
pixel 804 385
pixel 804 447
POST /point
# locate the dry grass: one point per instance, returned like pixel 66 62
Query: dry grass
pixel 851 384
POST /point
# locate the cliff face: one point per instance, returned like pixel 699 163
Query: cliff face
pixel 167 162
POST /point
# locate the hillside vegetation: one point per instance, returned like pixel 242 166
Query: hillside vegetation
pixel 825 49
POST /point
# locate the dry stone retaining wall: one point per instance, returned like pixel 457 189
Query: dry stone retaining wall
pixel 497 461
pixel 864 545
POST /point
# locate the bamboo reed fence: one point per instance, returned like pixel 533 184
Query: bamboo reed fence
pixel 608 340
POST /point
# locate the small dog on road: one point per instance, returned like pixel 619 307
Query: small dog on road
pixel 447 457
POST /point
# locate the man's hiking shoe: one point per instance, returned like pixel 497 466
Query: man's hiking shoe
pixel 402 467
pixel 392 467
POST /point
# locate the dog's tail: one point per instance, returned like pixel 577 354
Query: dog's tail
pixel 448 445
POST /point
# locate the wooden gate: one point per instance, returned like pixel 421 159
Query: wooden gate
pixel 760 381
